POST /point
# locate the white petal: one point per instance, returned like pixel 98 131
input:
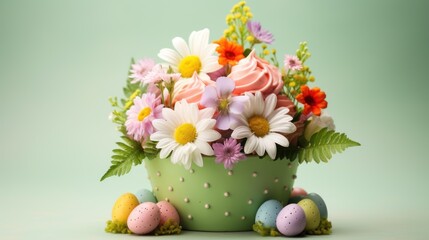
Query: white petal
pixel 198 41
pixel 167 150
pixel 197 158
pixel 258 103
pixel 181 46
pixel 241 132
pixel 170 56
pixel 251 144
pixel 208 51
pixel 211 64
pixel 206 113
pixel 205 124
pixel 209 135
pixel 278 138
pixel 260 148
pixel 270 147
pixel 204 147
pixel 171 117
pixel 286 127
pixel 270 104
pixel 163 125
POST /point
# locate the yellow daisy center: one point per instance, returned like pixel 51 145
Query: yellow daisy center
pixel 259 125
pixel 188 65
pixel 185 133
pixel 144 113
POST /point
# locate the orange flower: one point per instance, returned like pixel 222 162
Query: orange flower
pixel 313 100
pixel 230 52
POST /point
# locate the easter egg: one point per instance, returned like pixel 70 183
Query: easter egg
pixel 123 207
pixel 318 200
pixel 144 195
pixel 167 211
pixel 144 218
pixel 267 213
pixel 291 220
pixel 296 191
pixel 312 213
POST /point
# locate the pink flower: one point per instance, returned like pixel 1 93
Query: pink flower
pixel 140 69
pixel 220 97
pixel 292 62
pixel 228 153
pixel 141 114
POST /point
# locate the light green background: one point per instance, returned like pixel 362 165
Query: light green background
pixel 61 60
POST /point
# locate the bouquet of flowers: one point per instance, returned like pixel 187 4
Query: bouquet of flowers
pixel 228 98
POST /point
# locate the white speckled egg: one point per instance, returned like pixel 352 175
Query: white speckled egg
pixel 144 218
pixel 168 211
pixel 291 220
pixel 267 213
pixel 144 195
pixel 312 213
pixel 318 200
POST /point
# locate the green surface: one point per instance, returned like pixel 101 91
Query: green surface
pixel 61 60
pixel 213 198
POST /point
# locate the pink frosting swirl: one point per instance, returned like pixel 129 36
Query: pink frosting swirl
pixel 190 89
pixel 253 74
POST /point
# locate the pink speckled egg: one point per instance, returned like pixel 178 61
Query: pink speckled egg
pixel 144 218
pixel 291 220
pixel 168 211
pixel 298 192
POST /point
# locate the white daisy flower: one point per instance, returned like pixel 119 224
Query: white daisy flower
pixel 263 126
pixel 186 132
pixel 194 56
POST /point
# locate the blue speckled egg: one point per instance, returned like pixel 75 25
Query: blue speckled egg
pixel 267 213
pixel 318 200
pixel 144 195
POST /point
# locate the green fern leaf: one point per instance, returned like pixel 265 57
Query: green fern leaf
pixel 128 154
pixel 323 144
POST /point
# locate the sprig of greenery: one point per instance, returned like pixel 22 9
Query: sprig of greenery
pixel 293 80
pixel 323 144
pixel 128 154
pixel 264 231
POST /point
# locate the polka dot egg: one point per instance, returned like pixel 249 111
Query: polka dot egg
pixel 123 207
pixel 144 218
pixel 291 220
pixel 312 213
pixel 168 212
pixel 318 200
pixel 267 213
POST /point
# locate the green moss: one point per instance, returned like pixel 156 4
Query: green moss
pixel 116 227
pixel 169 228
pixel 324 228
pixel 264 231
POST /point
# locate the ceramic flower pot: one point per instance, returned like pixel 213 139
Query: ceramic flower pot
pixel 213 198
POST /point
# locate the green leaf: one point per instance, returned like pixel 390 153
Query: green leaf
pixel 323 144
pixel 128 154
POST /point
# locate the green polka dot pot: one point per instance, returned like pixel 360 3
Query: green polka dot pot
pixel 213 198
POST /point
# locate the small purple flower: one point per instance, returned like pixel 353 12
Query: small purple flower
pixel 220 97
pixel 228 153
pixel 258 33
pixel 292 62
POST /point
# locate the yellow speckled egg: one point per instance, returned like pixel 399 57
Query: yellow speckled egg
pixel 123 207
pixel 311 212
